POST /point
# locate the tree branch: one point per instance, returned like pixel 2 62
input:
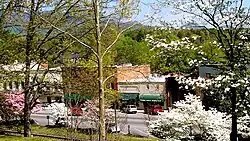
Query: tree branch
pixel 72 36
pixel 118 36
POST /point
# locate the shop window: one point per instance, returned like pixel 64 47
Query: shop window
pixel 58 99
pixel 157 86
pixel 49 99
pixel 208 75
pixel 16 85
pixel 10 86
pixel 5 86
pixel 22 85
pixel 112 86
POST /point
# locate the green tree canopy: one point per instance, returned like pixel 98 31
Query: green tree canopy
pixel 131 51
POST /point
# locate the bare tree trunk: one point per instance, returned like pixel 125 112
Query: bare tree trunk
pixel 27 93
pixel 115 113
pixel 100 72
pixel 232 59
pixel 233 136
pixel 27 130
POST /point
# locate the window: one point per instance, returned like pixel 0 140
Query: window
pixel 157 86
pixel 147 86
pixel 10 85
pixel 5 86
pixel 16 85
pixel 112 86
pixel 49 99
pixel 22 85
pixel 132 106
pixel 208 75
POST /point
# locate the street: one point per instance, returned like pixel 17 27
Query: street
pixel 133 123
pixel 137 123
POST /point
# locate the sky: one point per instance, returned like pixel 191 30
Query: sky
pixel 165 13
pixel 146 9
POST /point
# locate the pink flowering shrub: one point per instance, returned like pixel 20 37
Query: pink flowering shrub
pixel 15 102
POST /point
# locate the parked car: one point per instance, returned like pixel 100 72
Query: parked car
pixel 130 109
pixel 155 109
pixel 76 111
pixel 112 128
pixel 62 122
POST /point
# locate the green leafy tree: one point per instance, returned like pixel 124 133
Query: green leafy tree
pixel 131 51
pixel 104 12
pixel 37 42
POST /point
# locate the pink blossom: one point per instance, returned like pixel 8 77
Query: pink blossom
pixel 15 101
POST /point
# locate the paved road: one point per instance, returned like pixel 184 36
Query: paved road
pixel 137 122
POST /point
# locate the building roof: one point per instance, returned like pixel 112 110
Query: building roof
pixel 150 78
pixel 128 72
pixel 21 67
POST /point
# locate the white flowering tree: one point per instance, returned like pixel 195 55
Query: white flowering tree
pixel 228 21
pixel 174 53
pixel 188 120
pixel 179 56
pixel 91 113
pixel 216 92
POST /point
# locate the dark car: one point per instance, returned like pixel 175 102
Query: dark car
pixel 155 109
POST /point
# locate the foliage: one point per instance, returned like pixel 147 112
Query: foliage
pixel 12 105
pixel 82 80
pixel 9 50
pixel 216 92
pixel 139 34
pixel 5 112
pixel 37 42
pixel 230 22
pixel 131 51
pixel 177 51
pixel 92 112
pixel 188 120
pixel 178 56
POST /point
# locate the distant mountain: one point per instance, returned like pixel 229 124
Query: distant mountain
pixel 192 26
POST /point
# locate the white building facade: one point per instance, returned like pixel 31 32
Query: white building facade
pixel 143 91
pixel 45 81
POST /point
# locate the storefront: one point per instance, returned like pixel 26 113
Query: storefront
pixel 150 99
pixel 129 99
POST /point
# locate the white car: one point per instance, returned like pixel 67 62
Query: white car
pixel 131 109
pixel 113 129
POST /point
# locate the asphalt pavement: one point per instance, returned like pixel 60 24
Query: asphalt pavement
pixel 137 124
pixel 129 123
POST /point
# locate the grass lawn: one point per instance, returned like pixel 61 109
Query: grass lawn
pixel 63 132
pixel 14 138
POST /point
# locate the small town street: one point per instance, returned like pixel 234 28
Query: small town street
pixel 136 124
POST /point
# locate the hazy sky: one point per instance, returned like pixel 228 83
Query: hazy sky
pixel 146 9
pixel 165 13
